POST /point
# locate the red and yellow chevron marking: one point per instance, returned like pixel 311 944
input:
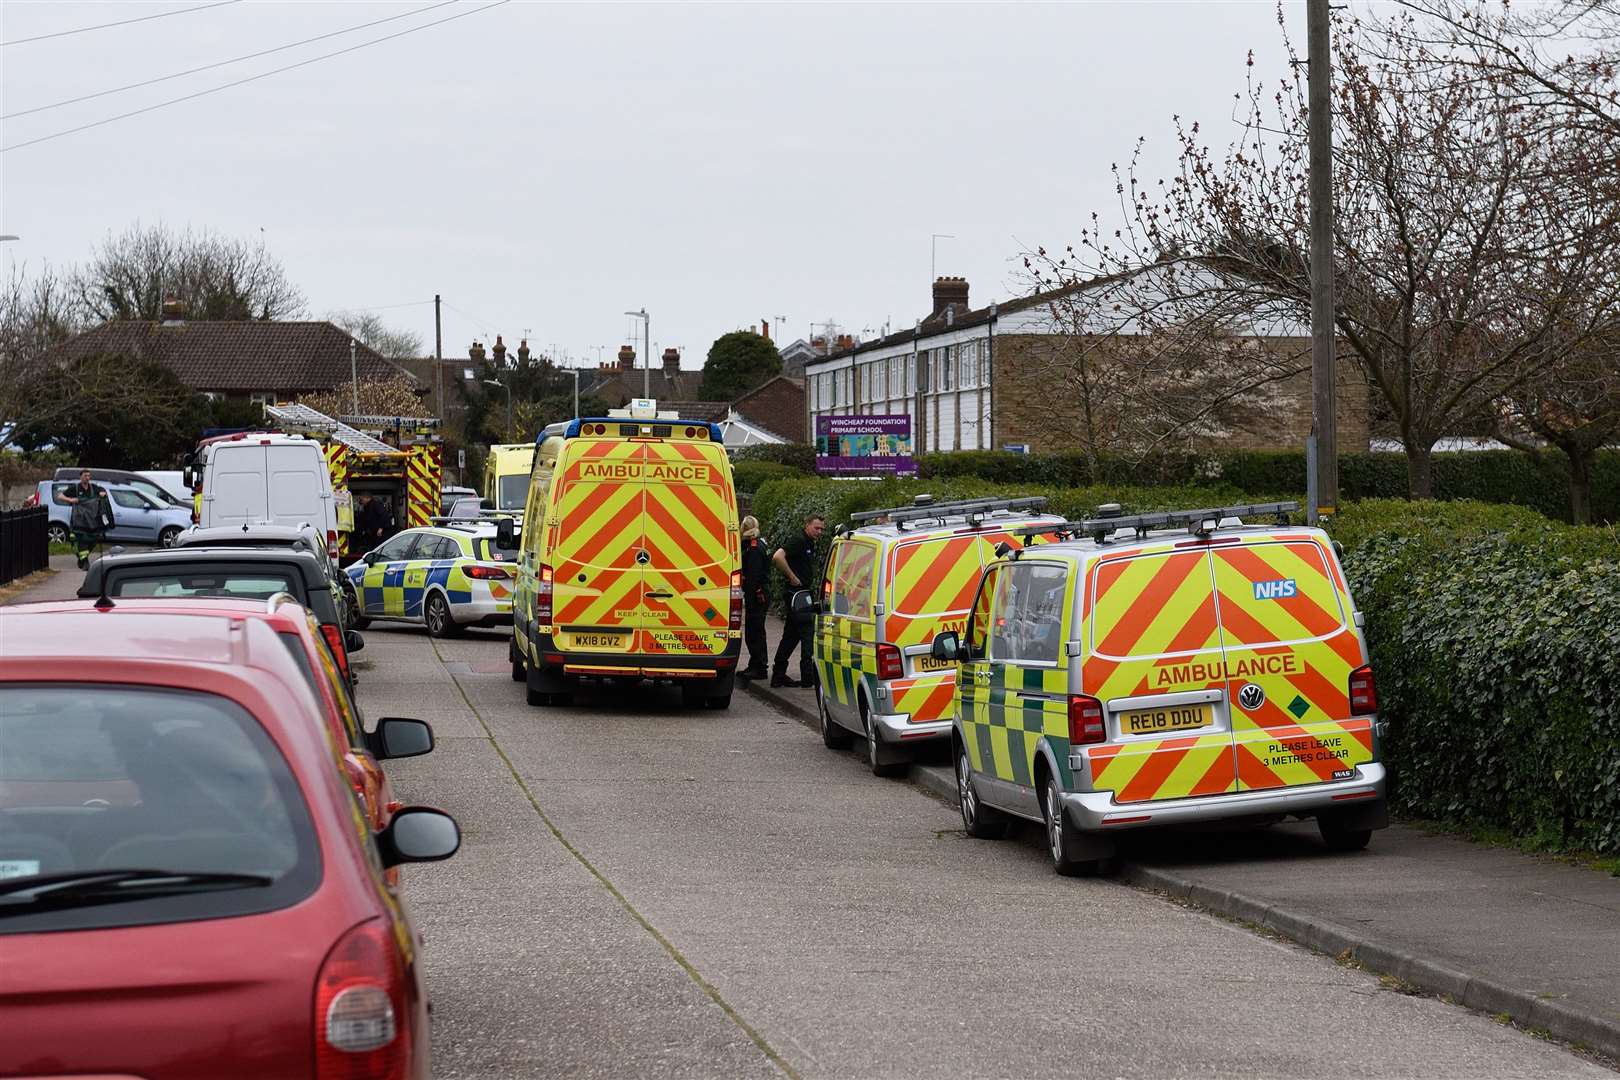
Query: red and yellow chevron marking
pixel 1173 621
pixel 1152 628
pixel 643 535
pixel 926 698
pixel 337 463
pixel 423 473
pixel 1300 649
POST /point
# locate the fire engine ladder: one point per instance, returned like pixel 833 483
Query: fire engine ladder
pixel 1110 520
pixel 428 425
pixel 298 419
pixel 923 508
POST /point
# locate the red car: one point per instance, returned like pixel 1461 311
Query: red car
pixel 301 634
pixel 189 888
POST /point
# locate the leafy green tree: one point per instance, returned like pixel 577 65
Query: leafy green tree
pixel 129 414
pixel 737 363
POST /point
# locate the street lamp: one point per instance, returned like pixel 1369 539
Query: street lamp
pixel 646 351
pixel 508 388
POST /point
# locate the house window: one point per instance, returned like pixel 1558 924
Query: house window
pixel 263 397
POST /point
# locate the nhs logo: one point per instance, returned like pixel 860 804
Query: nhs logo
pixel 1281 589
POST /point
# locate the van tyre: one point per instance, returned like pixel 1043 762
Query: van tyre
pixel 519 674
pixel 877 758
pixel 978 819
pixel 436 614
pixel 1338 838
pixel 1060 835
pixel 833 736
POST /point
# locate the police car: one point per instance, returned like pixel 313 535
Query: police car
pixel 447 576
pixel 1166 669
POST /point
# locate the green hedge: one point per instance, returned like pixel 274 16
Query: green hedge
pixel 1500 476
pixel 797 456
pixel 1495 637
pixel 749 475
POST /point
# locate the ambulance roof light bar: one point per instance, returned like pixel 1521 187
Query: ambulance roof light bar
pixel 923 508
pixel 1198 522
pixel 642 409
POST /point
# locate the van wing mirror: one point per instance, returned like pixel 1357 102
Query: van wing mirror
pixel 803 604
pixel 947 646
pixel 504 534
pixel 188 477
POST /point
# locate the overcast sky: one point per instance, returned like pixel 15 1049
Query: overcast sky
pixel 547 166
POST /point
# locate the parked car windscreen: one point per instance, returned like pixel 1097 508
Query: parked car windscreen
pixel 258 583
pixel 126 805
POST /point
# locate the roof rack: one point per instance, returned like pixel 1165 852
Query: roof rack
pixel 1200 522
pixel 303 420
pixel 924 508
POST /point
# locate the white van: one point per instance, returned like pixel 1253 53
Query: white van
pixel 268 479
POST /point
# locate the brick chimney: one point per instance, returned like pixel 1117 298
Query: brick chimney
pixel 765 329
pixel 949 291
pixel 500 351
pixel 523 351
pixel 173 309
pixel 672 362
pixel 627 358
pixel 477 350
pixel 844 342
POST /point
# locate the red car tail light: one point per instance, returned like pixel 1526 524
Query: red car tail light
pixel 486 571
pixel 736 600
pixel 362 1027
pixel 1363 691
pixel 542 598
pixel 334 641
pixel 888 661
pixel 1086 720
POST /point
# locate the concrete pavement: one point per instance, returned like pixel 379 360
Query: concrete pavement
pixel 646 890
pixel 1496 930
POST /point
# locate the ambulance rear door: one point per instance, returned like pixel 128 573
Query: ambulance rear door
pixel 1290 648
pixel 593 540
pixel 689 548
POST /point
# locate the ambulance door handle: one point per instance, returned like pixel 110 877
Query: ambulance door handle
pixel 660 595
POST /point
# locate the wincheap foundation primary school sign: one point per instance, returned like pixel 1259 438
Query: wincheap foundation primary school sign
pixel 864 446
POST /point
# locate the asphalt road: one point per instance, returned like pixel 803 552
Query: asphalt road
pixel 649 891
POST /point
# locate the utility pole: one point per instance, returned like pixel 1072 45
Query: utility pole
pixel 646 351
pixel 438 358
pixel 1324 434
pixel 354 378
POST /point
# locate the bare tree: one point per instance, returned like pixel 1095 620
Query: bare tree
pixel 212 276
pixel 1468 230
pixel 1146 369
pixel 37 313
pixel 369 329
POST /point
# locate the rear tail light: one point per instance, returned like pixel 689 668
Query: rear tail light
pixel 690 432
pixel 888 661
pixel 334 641
pixel 331 544
pixel 1086 720
pixel 826 593
pixel 542 598
pixel 486 571
pixel 736 600
pixel 362 1025
pixel 1363 691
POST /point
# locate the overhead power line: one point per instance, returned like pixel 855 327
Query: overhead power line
pixel 248 79
pixel 223 63
pixel 120 22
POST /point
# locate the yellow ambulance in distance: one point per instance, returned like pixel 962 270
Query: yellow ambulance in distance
pixel 1166 669
pixel 630 564
pixel 506 476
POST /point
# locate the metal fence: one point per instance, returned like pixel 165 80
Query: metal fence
pixel 23 544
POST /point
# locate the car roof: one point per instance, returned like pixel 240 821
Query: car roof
pixel 75 629
pixel 285 613
pixel 305 560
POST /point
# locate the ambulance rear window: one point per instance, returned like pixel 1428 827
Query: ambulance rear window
pixel 937 576
pixel 1152 605
pixel 1276 592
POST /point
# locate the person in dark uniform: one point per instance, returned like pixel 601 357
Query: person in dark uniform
pixel 796 559
pixel 756 570
pixel 91 516
pixel 370 521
